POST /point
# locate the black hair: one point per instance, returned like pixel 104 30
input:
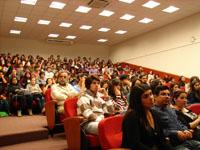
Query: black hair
pixel 176 94
pixel 111 91
pixel 89 79
pixel 160 88
pixel 136 102
pixel 123 76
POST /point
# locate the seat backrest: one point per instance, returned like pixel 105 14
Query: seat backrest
pixel 48 95
pixel 70 107
pixel 194 108
pixel 110 132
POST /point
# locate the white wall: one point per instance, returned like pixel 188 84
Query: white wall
pixel 34 47
pixel 169 49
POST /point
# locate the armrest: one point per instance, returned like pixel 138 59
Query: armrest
pixel 50 113
pixel 119 149
pixel 73 132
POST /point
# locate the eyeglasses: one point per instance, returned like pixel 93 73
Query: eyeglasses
pixel 62 76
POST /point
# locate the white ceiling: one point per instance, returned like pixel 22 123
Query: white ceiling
pixel 31 30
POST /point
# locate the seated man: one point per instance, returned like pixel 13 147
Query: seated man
pixel 92 106
pixel 62 90
pixel 180 136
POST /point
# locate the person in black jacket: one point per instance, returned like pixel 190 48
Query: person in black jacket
pixel 140 127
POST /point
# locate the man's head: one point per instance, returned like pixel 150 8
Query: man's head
pixel 92 83
pixel 62 78
pixel 162 96
pixel 143 78
pixel 125 79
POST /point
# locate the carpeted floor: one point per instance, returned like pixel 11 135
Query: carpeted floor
pixel 14 130
pixel 13 124
pixel 58 142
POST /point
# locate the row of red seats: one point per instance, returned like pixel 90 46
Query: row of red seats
pixel 110 134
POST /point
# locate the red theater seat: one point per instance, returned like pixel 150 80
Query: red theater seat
pixel 194 108
pixel 50 111
pixel 73 129
pixel 110 132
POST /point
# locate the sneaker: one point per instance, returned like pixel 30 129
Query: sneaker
pixel 19 113
pixel 30 112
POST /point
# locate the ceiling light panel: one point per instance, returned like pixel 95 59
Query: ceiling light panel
pixel 170 9
pixel 120 32
pixel 146 20
pixel 127 1
pixel 20 19
pixel 65 24
pixel 53 35
pixel 106 13
pixel 57 5
pixel 29 2
pixel 151 4
pixel 70 37
pixel 104 29
pixel 83 9
pixel 15 31
pixel 127 17
pixel 44 22
pixel 102 40
pixel 85 27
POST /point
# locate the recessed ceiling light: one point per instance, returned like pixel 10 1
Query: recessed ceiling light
pixel 57 5
pixel 127 17
pixel 151 4
pixel 104 29
pixel 85 27
pixel 146 20
pixel 15 31
pixel 106 13
pixel 102 40
pixel 83 9
pixel 53 35
pixel 70 37
pixel 29 2
pixel 170 9
pixel 45 22
pixel 65 24
pixel 20 19
pixel 120 32
pixel 127 1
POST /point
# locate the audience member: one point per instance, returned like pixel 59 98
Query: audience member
pixel 141 130
pixel 92 107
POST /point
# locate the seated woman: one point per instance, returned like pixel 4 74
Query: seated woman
pixel 140 127
pixel 119 100
pixel 36 93
pixel 187 117
pixel 17 96
pixel 194 92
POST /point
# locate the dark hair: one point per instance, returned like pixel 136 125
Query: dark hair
pixel 154 83
pixel 135 96
pixel 114 82
pixel 123 76
pixel 88 80
pixel 104 82
pixel 136 103
pixel 176 94
pixel 160 88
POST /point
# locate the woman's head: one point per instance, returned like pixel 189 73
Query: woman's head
pixel 141 98
pixel 115 84
pixel 179 98
pixel 194 85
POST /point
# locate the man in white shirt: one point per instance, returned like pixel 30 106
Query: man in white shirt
pixel 62 90
pixel 92 107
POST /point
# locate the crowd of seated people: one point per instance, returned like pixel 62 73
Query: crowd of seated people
pixel 103 88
